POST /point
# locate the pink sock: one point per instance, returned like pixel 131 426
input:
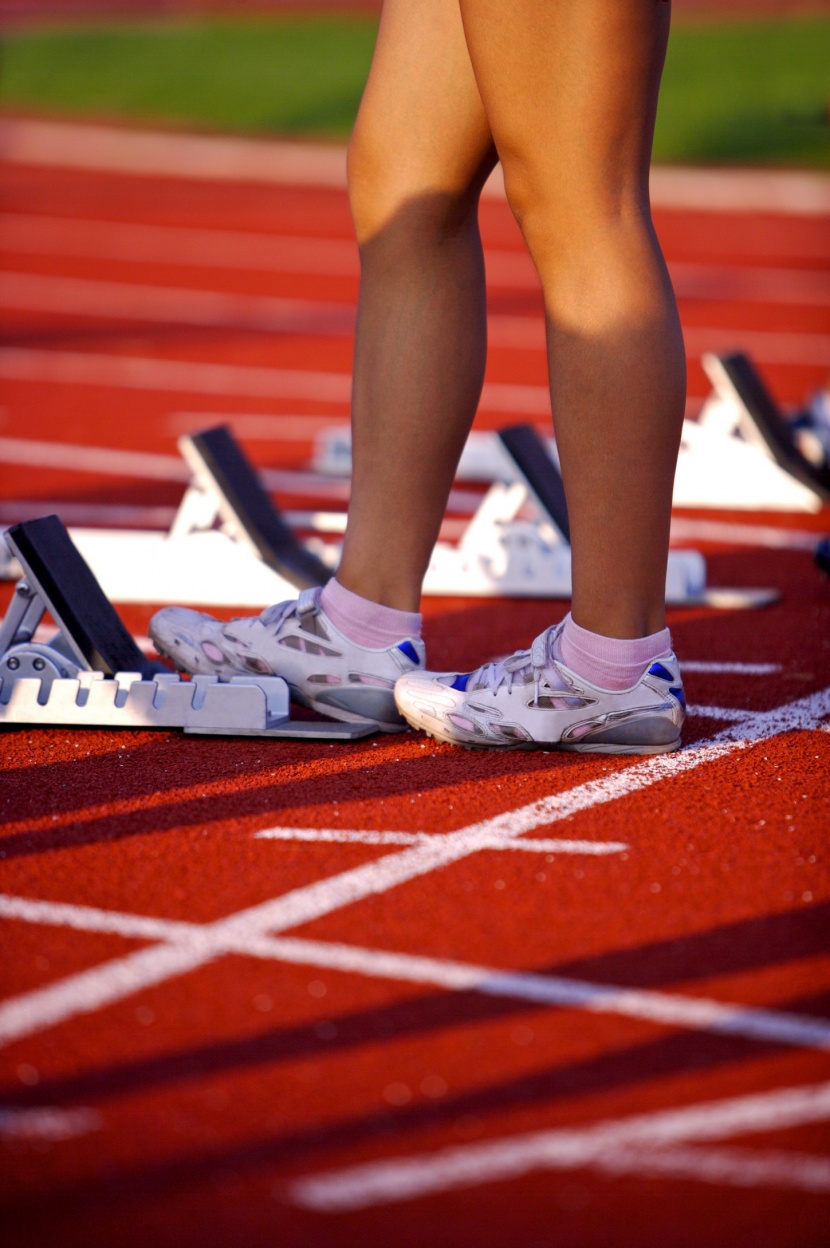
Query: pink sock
pixel 367 623
pixel 610 662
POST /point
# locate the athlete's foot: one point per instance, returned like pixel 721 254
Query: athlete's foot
pixel 532 700
pixel 296 640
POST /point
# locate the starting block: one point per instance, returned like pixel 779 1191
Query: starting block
pixel 228 544
pixel 92 674
pixel 742 453
pixel 501 554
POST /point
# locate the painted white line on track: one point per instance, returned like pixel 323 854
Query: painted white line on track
pixel 342 836
pixel 256 426
pixel 726 669
pixel 112 981
pixel 86 297
pixel 199 377
pixel 78 296
pixel 407 1178
pixel 46 1123
pixel 115 980
pixel 527 333
pixel 182 246
pixel 113 149
pixel 738 534
pixel 662 1008
pixel 257 252
pixel 143 465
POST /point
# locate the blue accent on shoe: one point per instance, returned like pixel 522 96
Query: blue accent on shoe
pixel 680 695
pixel 460 682
pixel 657 669
pixel 409 650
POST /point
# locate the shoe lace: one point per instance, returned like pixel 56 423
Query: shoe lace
pixel 272 617
pixel 520 667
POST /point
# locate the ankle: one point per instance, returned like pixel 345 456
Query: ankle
pixel 364 622
pixel 610 662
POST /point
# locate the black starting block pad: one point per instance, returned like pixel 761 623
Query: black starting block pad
pixel 247 509
pixel 92 674
pixel 761 421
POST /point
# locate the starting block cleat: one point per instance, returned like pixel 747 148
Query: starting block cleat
pixel 501 554
pixel 92 674
pixel 742 453
pixel 228 544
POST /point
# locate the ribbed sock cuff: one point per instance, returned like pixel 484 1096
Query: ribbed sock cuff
pixel 367 623
pixel 612 663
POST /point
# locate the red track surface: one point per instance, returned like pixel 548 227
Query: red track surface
pixel 185 1091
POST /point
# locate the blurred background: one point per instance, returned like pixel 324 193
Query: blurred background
pixel 747 81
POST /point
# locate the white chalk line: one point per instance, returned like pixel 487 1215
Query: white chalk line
pixel 722 531
pixel 527 333
pixel 662 1008
pixel 344 837
pixel 246 251
pixel 47 1123
pixel 112 981
pixel 90 146
pixel 87 297
pixel 612 1146
pixel 78 296
pixel 200 377
pixel 737 669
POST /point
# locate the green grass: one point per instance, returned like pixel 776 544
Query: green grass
pixel 749 92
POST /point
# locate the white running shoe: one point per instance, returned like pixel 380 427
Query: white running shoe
pixel 513 705
pixel 297 641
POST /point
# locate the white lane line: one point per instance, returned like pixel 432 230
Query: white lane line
pixel 47 1123
pixel 79 145
pixel 718 712
pixel 407 1178
pixel 246 251
pixel 722 531
pixel 184 246
pixel 76 296
pixel 527 333
pixel 343 837
pixel 731 1167
pixel 199 377
pixel 112 981
pixel 661 1008
pixel 736 669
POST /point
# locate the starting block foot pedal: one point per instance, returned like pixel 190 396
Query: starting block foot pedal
pixel 92 674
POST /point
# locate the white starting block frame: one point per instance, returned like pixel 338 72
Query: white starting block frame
pixel 738 455
pixel 502 554
pixel 228 545
pixel 70 680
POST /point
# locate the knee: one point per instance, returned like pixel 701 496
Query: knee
pixel 568 217
pixel 395 193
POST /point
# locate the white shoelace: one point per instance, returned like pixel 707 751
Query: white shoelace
pixel 273 616
pixel 517 667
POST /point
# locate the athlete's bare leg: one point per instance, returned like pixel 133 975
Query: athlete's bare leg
pixel 570 92
pixel 419 155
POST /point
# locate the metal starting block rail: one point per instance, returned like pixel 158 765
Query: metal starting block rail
pixel 92 674
pixel 740 454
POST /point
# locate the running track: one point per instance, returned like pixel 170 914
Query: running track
pixel 394 993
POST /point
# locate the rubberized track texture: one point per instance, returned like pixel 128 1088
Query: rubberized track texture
pixel 391 992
